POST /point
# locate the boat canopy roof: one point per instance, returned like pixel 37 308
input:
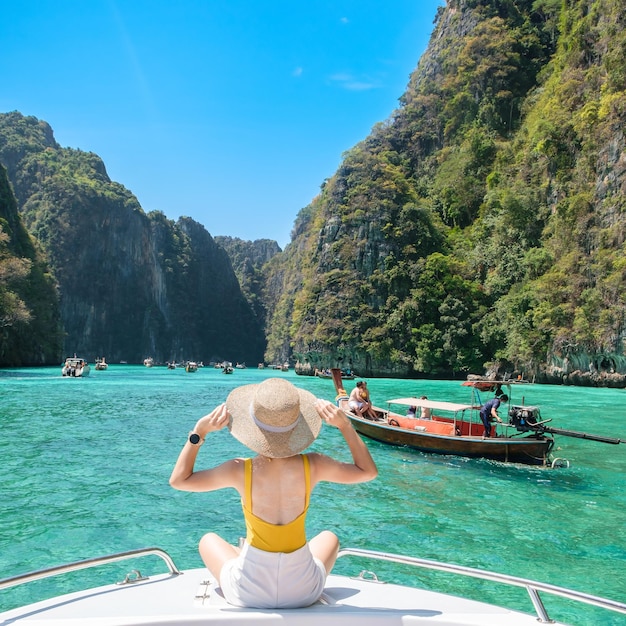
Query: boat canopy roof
pixel 431 404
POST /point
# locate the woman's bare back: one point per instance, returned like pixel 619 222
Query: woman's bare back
pixel 278 489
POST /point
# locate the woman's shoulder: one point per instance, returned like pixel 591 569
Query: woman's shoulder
pixel 318 461
pixel 234 465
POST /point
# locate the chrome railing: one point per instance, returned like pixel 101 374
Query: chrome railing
pixel 5 583
pixel 532 587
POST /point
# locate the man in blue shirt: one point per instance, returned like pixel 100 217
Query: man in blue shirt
pixel 489 412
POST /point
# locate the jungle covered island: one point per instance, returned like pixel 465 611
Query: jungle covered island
pixel 480 227
pixel 483 223
pixel 131 284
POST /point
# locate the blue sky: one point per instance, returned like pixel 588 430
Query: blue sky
pixel 232 112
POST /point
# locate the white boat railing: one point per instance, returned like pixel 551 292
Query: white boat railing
pixel 532 587
pixel 5 583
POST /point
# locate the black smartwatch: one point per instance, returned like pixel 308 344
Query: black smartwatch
pixel 195 439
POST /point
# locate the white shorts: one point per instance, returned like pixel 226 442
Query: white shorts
pixel 272 580
pixel 353 404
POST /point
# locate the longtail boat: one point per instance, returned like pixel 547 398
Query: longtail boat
pixel 457 429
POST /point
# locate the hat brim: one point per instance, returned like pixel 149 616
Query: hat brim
pixel 274 445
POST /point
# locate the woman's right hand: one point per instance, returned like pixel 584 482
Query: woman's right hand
pixel 331 414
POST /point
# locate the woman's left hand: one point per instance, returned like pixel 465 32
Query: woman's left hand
pixel 217 419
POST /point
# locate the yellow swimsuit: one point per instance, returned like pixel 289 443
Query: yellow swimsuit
pixel 275 537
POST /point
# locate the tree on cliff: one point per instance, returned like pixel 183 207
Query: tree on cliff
pixel 30 331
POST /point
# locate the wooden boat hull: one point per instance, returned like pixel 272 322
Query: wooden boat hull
pixel 528 450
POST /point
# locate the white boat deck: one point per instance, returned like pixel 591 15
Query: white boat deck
pixel 189 598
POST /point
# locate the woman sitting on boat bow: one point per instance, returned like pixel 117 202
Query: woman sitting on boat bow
pixel 276 567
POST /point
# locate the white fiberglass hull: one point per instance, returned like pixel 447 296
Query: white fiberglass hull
pixel 188 599
pixel 191 597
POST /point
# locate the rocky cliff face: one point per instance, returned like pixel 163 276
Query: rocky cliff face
pixel 249 259
pixel 482 224
pixel 131 285
pixel 30 325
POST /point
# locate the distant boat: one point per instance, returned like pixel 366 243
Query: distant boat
pixel 75 367
pixel 171 366
pixel 283 368
pixel 241 366
pixel 101 364
pixel 345 374
pixel 191 367
pixel 227 369
pixel 149 362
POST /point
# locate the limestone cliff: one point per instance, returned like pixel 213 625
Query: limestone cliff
pixel 249 259
pixel 30 326
pixel 481 225
pixel 131 285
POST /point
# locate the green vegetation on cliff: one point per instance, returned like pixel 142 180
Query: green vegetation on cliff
pixel 30 330
pixel 131 285
pixel 484 221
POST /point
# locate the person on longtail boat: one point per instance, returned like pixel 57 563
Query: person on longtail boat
pixel 359 401
pixel 356 401
pixel 425 413
pixel 489 412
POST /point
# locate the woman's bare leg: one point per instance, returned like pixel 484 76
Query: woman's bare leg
pixel 215 552
pixel 325 547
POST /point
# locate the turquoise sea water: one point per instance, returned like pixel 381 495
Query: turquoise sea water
pixel 86 462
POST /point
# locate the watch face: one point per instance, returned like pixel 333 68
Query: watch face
pixel 194 438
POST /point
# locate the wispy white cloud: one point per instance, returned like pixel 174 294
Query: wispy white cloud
pixel 352 83
pixel 297 72
pixel 344 20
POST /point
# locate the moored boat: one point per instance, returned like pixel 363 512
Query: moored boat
pixel 457 429
pixel 75 367
pixel 193 597
pixel 191 367
pixel 451 429
pixel 101 364
pixel 327 373
pixel 148 362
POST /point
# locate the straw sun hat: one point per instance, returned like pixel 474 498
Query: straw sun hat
pixel 273 418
